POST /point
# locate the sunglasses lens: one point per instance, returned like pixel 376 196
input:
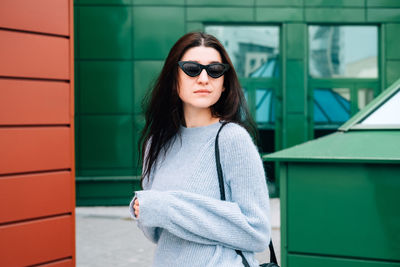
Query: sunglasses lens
pixel 191 69
pixel 216 70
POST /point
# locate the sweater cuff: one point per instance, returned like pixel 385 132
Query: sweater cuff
pixel 153 209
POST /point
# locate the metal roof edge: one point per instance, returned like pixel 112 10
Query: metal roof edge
pixel 334 160
pixel 337 148
pixel 277 154
pixel 372 106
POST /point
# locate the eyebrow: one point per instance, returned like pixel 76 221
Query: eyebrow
pixel 207 64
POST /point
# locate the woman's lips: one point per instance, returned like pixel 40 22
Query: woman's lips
pixel 202 91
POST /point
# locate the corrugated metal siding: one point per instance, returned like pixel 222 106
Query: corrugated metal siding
pixel 37 169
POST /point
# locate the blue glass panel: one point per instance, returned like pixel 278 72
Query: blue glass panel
pixel 330 107
pixel 265 108
pixel 319 117
pixel 268 69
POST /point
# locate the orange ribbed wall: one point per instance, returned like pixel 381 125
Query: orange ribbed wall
pixel 37 164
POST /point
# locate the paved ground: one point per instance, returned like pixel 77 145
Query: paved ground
pixel 106 236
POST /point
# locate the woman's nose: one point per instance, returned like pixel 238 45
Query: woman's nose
pixel 203 77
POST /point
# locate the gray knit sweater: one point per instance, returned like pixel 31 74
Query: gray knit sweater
pixel 180 206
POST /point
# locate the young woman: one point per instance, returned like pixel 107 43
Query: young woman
pixel 180 208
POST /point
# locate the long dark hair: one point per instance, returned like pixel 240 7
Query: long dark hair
pixel 163 107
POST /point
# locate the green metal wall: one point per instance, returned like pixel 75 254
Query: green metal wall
pixel 327 215
pixel 120 47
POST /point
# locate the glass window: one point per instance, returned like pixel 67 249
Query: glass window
pixel 343 51
pixel 364 96
pixel 387 114
pixel 331 105
pixel 265 107
pixel 254 50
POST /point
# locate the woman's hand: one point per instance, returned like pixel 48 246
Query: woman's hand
pixel 136 208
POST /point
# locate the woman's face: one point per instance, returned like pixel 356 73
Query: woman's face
pixel 202 91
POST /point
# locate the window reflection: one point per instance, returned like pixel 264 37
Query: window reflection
pixel 265 108
pixel 254 50
pixel 364 96
pixel 343 51
pixel 246 94
pixel 331 106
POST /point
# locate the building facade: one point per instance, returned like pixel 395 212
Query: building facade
pixel 306 66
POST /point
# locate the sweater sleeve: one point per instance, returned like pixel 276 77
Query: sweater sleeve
pixel 151 233
pixel 240 224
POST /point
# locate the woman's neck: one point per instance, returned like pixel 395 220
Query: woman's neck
pixel 199 117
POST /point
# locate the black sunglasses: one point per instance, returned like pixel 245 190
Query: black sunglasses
pixel 193 69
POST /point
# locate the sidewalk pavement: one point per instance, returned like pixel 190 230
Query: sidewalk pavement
pixel 107 236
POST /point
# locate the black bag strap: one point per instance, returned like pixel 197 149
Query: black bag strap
pixel 222 193
pixel 218 162
pixel 272 253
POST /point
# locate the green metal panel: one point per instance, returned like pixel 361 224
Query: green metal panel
pixel 333 213
pixel 105 87
pixel 340 15
pixel 279 2
pixel 220 3
pixel 335 3
pixel 381 58
pixel 340 82
pixel 283 193
pixel 104 2
pixel 220 14
pixel 76 33
pixel 275 14
pixel 139 122
pixel 76 89
pixel 383 3
pixel 295 124
pixel 158 2
pixel 353 146
pixel 383 15
pixel 106 142
pixel 296 130
pixel 95 173
pixel 156 29
pixel 194 26
pixel 392 41
pixel 295 89
pixel 105 190
pixel 296 47
pixel 105 32
pixel 145 74
pixel 392 71
pixel 77 143
pixel 316 261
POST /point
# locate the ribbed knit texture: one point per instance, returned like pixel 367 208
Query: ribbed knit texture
pixel 181 210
